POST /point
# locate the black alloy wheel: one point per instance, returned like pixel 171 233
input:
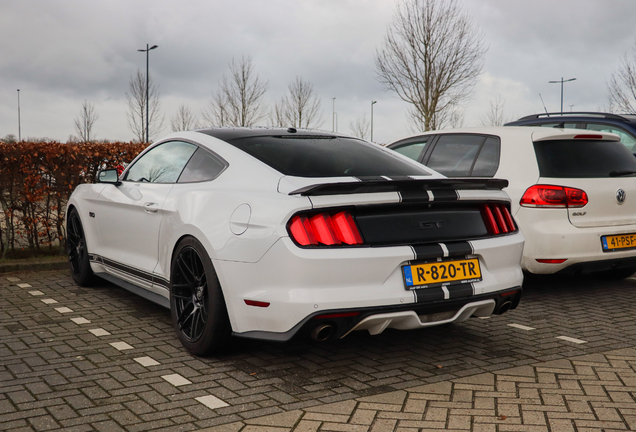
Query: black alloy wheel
pixel 77 250
pixel 197 306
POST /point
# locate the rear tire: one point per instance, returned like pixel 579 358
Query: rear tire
pixel 197 306
pixel 78 251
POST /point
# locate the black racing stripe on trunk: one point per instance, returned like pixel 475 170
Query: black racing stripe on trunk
pixel 429 294
pixel 445 195
pixel 461 290
pixel 429 251
pixel 371 178
pixel 459 248
pixel 415 196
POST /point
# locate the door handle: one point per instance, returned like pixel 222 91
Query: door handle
pixel 151 207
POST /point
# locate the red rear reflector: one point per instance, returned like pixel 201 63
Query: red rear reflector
pixel 551 261
pixel 588 136
pixel 325 229
pixel 337 315
pixel 550 196
pixel 506 294
pixel 256 303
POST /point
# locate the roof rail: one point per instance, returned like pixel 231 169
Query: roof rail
pixel 579 113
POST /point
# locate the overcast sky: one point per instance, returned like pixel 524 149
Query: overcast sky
pixel 62 52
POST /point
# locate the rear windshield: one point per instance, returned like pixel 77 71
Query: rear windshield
pixel 584 159
pixel 316 156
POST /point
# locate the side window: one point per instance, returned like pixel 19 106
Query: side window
pixel 203 166
pixel 627 139
pixel 412 150
pixel 454 155
pixel 488 159
pixel 162 164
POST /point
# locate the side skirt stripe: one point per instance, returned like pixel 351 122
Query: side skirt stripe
pixel 149 277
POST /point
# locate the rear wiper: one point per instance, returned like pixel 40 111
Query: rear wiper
pixel 621 173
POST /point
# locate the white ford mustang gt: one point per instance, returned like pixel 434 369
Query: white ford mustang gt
pixel 275 233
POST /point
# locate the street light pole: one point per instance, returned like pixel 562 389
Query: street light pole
pixel 333 116
pixel 19 126
pixel 562 81
pixel 372 103
pixel 147 51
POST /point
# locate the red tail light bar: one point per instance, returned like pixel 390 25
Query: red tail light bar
pixel 325 229
pixel 549 196
pixel 498 219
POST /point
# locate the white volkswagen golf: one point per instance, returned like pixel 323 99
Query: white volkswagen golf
pixel 573 192
pixel 272 233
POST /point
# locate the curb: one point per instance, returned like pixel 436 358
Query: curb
pixel 32 266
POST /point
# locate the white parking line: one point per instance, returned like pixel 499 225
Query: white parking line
pixel 80 320
pixel 521 327
pixel 573 340
pixel 25 285
pixel 211 402
pixel 176 380
pixel 121 346
pixel 48 301
pixel 63 310
pixel 99 332
pixel 36 293
pixel 13 279
pixel 146 361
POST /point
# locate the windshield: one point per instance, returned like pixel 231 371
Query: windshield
pixel 316 156
pixel 584 159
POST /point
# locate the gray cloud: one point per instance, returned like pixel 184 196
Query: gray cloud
pixel 61 53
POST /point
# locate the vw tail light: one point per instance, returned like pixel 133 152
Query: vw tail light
pixel 549 196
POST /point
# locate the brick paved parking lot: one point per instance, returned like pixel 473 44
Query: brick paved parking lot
pixel 103 359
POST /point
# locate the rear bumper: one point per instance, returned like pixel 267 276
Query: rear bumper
pixel 407 317
pixel 550 235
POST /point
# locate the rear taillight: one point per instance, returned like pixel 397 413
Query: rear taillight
pixel 549 196
pixel 498 219
pixel 325 229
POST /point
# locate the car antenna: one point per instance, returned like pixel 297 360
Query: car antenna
pixel 546 110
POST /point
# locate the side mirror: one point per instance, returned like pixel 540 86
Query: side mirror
pixel 108 176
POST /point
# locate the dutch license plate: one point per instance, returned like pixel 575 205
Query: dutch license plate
pixel 427 275
pixel 618 242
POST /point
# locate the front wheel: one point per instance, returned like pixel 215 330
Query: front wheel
pixel 77 250
pixel 197 306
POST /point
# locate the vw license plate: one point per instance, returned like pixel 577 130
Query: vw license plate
pixel 618 242
pixel 427 275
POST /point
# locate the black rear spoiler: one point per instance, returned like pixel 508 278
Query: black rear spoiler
pixel 376 186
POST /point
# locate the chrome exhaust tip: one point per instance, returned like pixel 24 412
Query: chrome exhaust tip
pixel 322 332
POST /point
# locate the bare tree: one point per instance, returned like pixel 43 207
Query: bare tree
pixel 431 57
pixel 85 122
pixel 277 114
pixel 622 85
pixel 136 97
pixel 238 102
pixel 361 127
pixel 183 119
pixel 301 106
pixel 495 116
pixel 217 112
